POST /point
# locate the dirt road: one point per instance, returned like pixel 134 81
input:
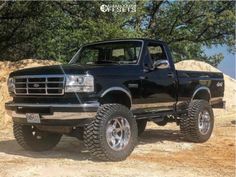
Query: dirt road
pixel 161 152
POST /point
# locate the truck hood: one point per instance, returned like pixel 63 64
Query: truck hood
pixel 77 69
pixel 48 70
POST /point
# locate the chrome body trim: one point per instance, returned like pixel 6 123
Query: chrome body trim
pixel 216 100
pixel 158 105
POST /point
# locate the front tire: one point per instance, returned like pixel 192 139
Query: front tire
pixel 112 135
pixel 31 138
pixel 198 125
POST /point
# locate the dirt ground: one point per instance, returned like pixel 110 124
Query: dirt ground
pixel 161 152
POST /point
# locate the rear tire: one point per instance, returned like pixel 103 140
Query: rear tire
pixel 31 138
pixel 112 135
pixel 198 125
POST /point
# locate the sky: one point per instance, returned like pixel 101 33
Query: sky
pixel 227 65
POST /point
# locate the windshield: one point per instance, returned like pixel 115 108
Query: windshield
pixel 125 52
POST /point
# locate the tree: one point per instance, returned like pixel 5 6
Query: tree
pixel 56 29
pixel 190 26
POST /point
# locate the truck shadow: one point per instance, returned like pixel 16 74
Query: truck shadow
pixel 73 149
pixel 151 136
pixel 68 148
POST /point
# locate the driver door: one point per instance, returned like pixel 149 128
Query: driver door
pixel 158 83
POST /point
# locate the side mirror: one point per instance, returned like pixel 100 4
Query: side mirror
pixel 161 64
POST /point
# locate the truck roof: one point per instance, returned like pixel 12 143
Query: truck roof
pixel 127 39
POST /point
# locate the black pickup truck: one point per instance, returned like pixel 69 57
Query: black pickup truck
pixel 106 95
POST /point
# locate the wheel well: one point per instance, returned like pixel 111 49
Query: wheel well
pixel 116 96
pixel 202 94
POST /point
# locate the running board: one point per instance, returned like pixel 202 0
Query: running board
pixel 153 115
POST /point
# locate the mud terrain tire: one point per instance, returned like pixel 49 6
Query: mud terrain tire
pixel 30 138
pixel 111 122
pixel 198 125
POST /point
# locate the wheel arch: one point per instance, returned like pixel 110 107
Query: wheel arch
pixel 202 92
pixel 116 95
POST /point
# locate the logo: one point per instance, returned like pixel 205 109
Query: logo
pixel 104 8
pixel 36 85
pixel 219 84
pixel 118 8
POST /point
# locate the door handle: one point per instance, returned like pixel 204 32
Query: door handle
pixel 171 75
pixel 142 77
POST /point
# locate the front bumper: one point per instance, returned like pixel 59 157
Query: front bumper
pixel 53 114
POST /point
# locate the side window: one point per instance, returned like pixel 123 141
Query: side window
pixel 118 54
pixel 89 56
pixel 156 52
pixel 126 54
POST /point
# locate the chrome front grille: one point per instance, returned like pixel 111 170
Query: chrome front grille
pixel 39 85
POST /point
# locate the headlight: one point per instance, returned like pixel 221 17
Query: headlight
pixel 11 85
pixel 79 83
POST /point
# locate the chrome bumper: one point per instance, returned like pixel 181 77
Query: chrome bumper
pixel 57 113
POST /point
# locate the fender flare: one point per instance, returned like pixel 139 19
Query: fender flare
pixel 200 89
pixel 117 89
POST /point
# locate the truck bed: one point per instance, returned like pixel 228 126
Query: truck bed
pixel 192 80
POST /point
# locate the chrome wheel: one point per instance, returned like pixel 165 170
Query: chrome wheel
pixel 204 122
pixel 118 133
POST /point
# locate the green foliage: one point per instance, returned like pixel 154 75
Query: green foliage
pixel 56 29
